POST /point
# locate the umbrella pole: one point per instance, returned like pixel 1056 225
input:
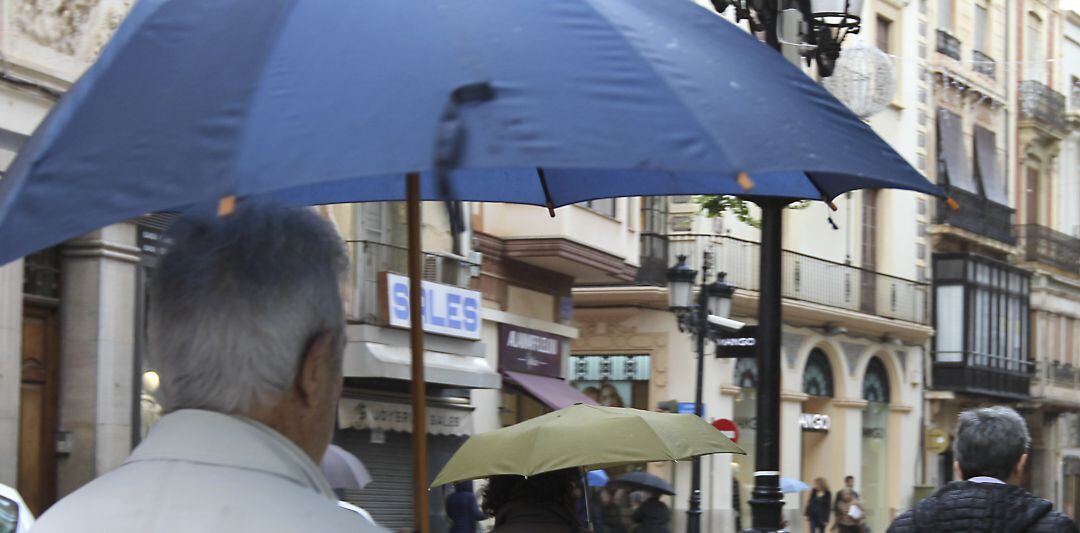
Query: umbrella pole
pixel 585 493
pixel 421 520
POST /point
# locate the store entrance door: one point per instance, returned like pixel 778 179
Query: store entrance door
pixel 38 407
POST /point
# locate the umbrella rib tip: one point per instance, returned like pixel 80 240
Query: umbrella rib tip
pixel 226 206
pixel 745 181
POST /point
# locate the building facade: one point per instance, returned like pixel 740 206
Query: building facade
pixel 1005 262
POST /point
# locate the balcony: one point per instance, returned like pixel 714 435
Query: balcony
pixel 811 279
pixel 984 64
pixel 1048 246
pixel 371 259
pixel 1043 105
pixel 588 244
pixel 948 44
pixel 978 215
pixel 983 374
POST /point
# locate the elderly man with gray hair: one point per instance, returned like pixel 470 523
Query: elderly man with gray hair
pixel 247 331
pixel 991 448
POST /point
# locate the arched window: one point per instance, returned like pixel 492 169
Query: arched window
pixel 876 382
pixel 746 373
pixel 817 376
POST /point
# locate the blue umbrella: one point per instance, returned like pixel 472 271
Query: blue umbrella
pixel 336 100
pixel 537 102
pixel 790 486
pixel 645 481
pixel 597 478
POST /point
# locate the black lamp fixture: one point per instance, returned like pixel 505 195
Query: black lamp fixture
pixel 712 299
pixel 824 25
pixel 681 280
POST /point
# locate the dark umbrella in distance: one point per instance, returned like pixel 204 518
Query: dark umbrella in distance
pixel 645 481
pixel 547 103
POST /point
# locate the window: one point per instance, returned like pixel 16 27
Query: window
pixel 746 373
pixel 1034 53
pixel 604 206
pixel 953 165
pixel 876 382
pixel 982 21
pixel 987 172
pixel 884 34
pixel 945 15
pixel 982 312
pixel 613 380
pixel 818 376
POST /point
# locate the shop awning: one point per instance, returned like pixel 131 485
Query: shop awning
pixel 986 162
pixel 377 360
pixel 552 392
pixel 951 150
pixel 359 413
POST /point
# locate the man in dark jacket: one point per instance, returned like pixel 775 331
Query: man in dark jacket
pixel 991 448
pixel 462 510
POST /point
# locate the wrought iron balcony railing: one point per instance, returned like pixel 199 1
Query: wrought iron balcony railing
pixel 1041 103
pixel 979 215
pixel 1049 246
pixel 985 374
pixel 948 44
pixel 811 279
pixel 370 259
pixel 1059 374
pixel 984 64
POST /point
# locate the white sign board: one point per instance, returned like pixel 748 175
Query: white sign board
pixel 389 416
pixel 447 310
pixel 814 422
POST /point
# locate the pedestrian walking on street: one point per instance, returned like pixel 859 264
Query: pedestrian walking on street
pixel 652 516
pixel 849 485
pixel 849 512
pixel 462 510
pixel 543 503
pixel 991 448
pixel 818 506
pixel 247 332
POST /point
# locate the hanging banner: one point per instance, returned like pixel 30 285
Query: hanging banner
pixel 356 413
pixel 447 310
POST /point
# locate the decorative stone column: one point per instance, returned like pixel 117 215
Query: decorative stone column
pixel 97 353
pixel 849 424
pixel 11 281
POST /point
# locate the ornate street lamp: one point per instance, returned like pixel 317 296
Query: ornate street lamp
pixel 713 299
pixel 824 25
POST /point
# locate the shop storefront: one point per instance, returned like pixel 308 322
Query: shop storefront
pixel 531 363
pixel 875 446
pixel 613 380
pixel 375 416
pixel 377 428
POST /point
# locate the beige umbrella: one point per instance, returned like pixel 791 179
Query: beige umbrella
pixel 581 435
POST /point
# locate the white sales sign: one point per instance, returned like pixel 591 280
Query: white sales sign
pixel 447 310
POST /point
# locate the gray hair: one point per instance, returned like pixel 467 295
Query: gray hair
pixel 990 441
pixel 237 300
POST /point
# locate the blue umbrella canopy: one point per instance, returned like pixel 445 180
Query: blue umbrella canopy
pixel 545 103
pixel 646 481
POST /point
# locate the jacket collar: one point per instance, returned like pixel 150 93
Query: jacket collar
pixel 208 437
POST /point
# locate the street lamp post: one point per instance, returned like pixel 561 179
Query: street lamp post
pixel 819 28
pixel 712 299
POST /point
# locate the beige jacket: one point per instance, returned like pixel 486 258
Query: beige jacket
pixel 206 472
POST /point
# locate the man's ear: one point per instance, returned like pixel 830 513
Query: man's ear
pixel 1018 471
pixel 314 367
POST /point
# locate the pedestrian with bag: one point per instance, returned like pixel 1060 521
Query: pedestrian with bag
pixel 849 512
